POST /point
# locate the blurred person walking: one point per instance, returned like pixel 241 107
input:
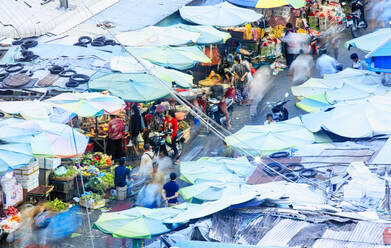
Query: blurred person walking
pixel 326 64
pixel 300 69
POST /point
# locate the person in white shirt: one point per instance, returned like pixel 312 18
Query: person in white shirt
pixel 356 62
pixel 326 64
pixel 146 161
pixel 269 119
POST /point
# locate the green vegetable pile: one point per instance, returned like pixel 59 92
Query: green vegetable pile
pixel 95 185
pixel 95 196
pixel 69 171
pixel 108 180
pixel 57 205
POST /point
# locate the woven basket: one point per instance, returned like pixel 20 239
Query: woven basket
pixel 63 179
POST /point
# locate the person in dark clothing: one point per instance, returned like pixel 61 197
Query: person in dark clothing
pixel 217 91
pixel 135 124
pixel 240 72
pixel 121 173
pixel 170 191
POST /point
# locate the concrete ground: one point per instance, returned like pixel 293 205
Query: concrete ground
pixel 206 144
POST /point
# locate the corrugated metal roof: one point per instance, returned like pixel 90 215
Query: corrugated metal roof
pixel 330 243
pixel 28 18
pixel 365 232
pixel 282 233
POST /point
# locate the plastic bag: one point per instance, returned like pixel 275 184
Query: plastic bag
pixel 168 139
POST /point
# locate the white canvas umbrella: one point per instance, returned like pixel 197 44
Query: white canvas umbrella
pixel 158 36
pixel 371 41
pixel 266 139
pixel 220 15
pixel 358 119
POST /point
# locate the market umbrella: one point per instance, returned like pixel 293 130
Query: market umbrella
pixel 370 41
pixel 137 222
pixel 220 15
pixel 131 65
pixel 266 139
pixel 58 140
pixel 36 110
pixel 128 64
pixel 209 34
pixel 88 104
pixel 18 130
pixel 14 156
pixel 357 119
pixel 314 86
pixel 180 58
pixel 314 103
pixel 266 4
pixel 158 36
pixel 183 80
pixel 137 87
pixel 216 169
pixel 207 191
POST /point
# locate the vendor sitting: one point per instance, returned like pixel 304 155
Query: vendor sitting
pixel 121 173
pixel 213 75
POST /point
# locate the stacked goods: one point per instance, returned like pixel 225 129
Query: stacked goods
pixel 49 163
pixel 28 176
pixel 12 192
pixel 282 12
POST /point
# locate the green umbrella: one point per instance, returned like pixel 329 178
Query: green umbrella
pixel 314 103
pixel 138 222
pixel 183 80
pixel 138 87
pixel 180 58
pixel 208 191
pixel 216 169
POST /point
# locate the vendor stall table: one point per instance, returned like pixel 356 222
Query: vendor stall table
pixel 39 193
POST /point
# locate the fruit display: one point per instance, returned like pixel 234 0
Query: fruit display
pixel 98 159
pixel 277 31
pixel 57 205
pixel 15 218
pixel 11 211
pixel 90 171
pixel 108 180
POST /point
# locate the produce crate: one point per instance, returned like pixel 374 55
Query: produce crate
pixel 95 205
pixel 62 186
pixel 65 197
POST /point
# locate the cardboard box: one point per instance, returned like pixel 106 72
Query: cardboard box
pixel 27 177
pixel 27 170
pixel 49 163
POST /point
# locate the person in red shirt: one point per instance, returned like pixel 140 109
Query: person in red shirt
pixel 116 133
pixel 170 125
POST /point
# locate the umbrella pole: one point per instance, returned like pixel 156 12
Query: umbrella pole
pixel 82 185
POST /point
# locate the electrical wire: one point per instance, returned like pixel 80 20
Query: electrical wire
pixel 203 116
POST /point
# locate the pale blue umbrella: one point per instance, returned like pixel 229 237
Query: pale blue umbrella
pixel 209 34
pixel 138 87
pixel 14 156
pixel 180 58
pixel 18 130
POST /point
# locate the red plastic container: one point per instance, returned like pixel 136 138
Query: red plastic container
pixel 387 236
